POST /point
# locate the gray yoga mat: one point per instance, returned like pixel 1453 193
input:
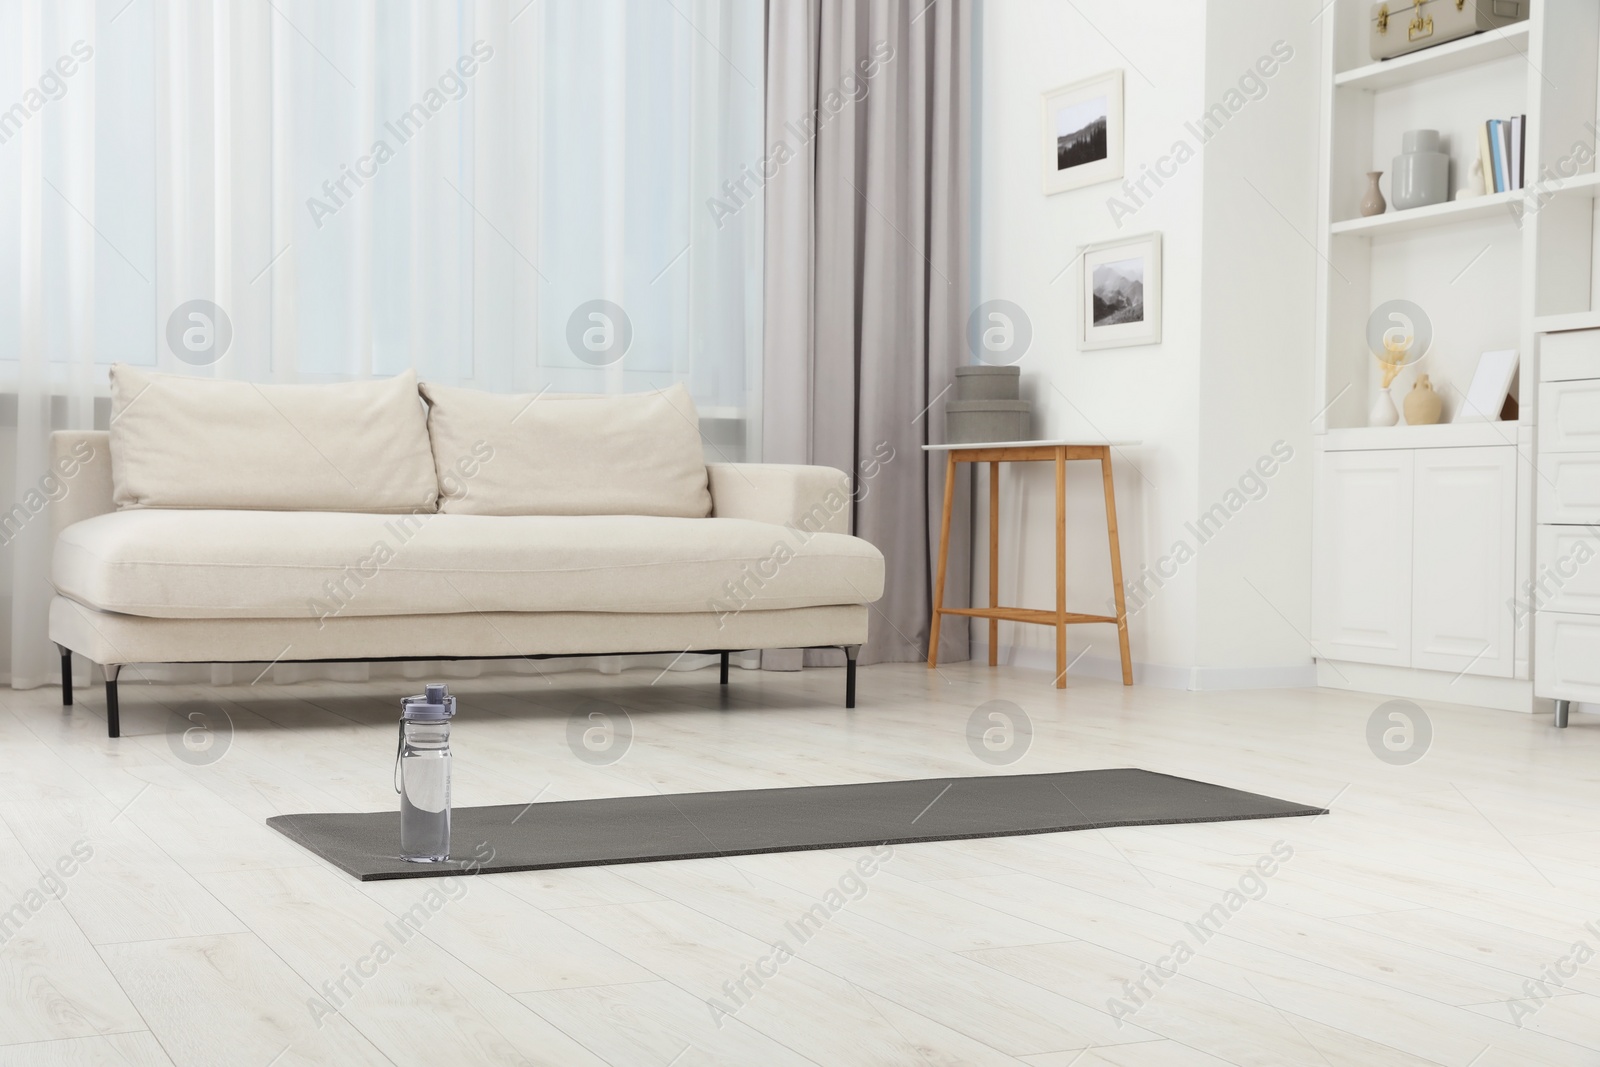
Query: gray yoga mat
pixel 588 833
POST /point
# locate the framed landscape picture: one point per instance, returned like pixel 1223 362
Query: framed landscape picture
pixel 1082 134
pixel 1119 303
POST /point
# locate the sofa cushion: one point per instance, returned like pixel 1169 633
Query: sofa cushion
pixel 180 442
pixel 269 564
pixel 635 454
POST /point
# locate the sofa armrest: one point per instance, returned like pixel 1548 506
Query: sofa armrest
pixel 80 460
pixel 816 499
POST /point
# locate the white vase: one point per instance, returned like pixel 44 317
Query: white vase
pixel 1421 172
pixel 1383 411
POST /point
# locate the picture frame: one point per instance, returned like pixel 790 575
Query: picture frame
pixel 1491 384
pixel 1119 293
pixel 1081 133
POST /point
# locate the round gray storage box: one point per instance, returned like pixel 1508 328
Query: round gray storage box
pixel 983 382
pixel 969 422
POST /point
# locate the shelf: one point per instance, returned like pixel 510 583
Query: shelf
pixel 1579 320
pixel 1443 435
pixel 1579 185
pixel 1445 214
pixel 1441 59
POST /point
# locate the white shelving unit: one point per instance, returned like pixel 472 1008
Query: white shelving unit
pixel 1491 272
pixel 1444 435
pixel 1442 59
pixel 1576 320
pixel 1449 213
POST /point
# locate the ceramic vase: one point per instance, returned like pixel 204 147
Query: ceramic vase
pixel 1372 203
pixel 1421 174
pixel 1422 403
pixel 1383 412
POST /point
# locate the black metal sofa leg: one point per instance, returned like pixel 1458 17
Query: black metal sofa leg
pixel 113 720
pixel 850 653
pixel 66 676
pixel 724 679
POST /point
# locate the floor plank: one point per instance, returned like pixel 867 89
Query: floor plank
pixel 138 1049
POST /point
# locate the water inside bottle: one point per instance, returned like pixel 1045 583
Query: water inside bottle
pixel 425 794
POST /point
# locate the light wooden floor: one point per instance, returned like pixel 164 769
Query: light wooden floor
pixel 1399 931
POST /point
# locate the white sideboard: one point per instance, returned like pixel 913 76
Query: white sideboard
pixel 1415 558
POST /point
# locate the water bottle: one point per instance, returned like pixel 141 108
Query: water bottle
pixel 422 775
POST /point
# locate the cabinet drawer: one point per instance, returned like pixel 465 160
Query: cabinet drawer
pixel 1569 416
pixel 1569 355
pixel 1569 488
pixel 1569 569
pixel 1567 656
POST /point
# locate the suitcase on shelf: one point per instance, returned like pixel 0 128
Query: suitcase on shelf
pixel 1398 27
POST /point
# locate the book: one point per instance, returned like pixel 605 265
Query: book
pixel 1485 159
pixel 1522 151
pixel 1516 152
pixel 1505 154
pixel 1495 155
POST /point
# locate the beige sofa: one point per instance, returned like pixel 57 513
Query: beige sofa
pixel 206 527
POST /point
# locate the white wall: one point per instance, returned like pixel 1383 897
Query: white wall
pixel 1232 375
pixel 1145 394
pixel 1258 288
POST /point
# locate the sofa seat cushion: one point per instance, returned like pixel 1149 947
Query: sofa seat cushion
pixel 270 564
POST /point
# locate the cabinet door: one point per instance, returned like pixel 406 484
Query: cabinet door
pixel 1464 560
pixel 1361 592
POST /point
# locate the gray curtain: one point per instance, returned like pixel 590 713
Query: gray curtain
pixel 869 117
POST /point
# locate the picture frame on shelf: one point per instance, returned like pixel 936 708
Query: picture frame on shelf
pixel 1081 133
pixel 1491 384
pixel 1119 293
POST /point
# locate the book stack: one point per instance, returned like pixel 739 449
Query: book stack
pixel 1500 153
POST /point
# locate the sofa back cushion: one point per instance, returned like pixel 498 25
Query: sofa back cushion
pixel 180 442
pixel 549 454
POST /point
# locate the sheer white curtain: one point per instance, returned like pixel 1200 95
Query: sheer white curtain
pixel 360 187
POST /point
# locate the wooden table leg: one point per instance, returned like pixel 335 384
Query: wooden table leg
pixel 944 558
pixel 1061 568
pixel 994 560
pixel 1116 567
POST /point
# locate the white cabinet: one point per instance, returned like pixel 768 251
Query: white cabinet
pixel 1463 561
pixel 1415 556
pixel 1361 600
pixel 1567 591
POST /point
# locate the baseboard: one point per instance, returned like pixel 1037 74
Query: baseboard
pixel 1504 694
pixel 1284 676
pixel 1160 675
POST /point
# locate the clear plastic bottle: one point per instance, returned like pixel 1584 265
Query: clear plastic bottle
pixel 422 775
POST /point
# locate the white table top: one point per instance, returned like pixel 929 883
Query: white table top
pixel 1052 443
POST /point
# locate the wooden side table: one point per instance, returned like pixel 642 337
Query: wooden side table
pixel 1059 452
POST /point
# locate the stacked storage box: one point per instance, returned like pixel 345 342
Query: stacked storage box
pixel 986 406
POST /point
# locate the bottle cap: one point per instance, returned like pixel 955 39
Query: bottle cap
pixel 434 705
